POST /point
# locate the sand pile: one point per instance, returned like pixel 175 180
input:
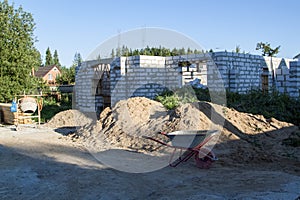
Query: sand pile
pixel 125 124
pixel 243 137
pixel 69 118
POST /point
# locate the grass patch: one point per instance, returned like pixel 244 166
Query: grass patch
pixel 51 107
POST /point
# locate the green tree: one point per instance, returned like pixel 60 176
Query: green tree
pixel 98 57
pixel 182 51
pixel 67 76
pixel 124 50
pixel 77 60
pixel 271 52
pixel 267 50
pixel 174 52
pixel 154 51
pixel 238 49
pixel 118 52
pixel 49 59
pixel 56 59
pixel 18 55
pixel 198 51
pixel 112 53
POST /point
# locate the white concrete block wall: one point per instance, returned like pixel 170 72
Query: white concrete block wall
pixel 294 89
pixel 143 76
pixel 148 75
pixel 240 72
pixel 85 87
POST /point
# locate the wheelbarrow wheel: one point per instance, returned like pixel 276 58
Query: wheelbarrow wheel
pixel 204 161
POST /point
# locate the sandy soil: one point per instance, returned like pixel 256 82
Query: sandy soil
pixel 43 164
pixel 46 163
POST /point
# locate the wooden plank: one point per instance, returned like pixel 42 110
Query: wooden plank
pixel 11 118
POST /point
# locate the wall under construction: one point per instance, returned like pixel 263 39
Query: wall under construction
pixel 102 83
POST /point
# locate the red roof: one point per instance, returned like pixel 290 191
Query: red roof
pixel 42 71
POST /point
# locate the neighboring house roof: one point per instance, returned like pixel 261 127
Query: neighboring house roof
pixel 297 56
pixel 42 71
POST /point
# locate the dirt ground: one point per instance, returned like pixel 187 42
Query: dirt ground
pixel 43 164
pixel 256 160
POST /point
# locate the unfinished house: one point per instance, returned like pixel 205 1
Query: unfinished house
pixel 102 83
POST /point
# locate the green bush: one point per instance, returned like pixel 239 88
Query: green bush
pixel 279 106
pixel 172 99
pixel 169 101
pixel 274 104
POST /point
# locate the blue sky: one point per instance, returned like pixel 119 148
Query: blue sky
pixel 71 26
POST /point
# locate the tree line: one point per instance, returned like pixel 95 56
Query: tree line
pixel 153 51
pixel 52 60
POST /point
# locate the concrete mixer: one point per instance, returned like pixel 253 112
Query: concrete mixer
pixel 27 105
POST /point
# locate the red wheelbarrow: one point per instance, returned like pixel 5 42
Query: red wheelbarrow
pixel 190 143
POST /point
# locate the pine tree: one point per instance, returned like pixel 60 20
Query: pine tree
pixel 56 59
pixel 118 50
pixel 198 51
pixel 99 57
pixel 174 52
pixel 49 59
pixel 112 53
pixel 77 60
pixel 182 51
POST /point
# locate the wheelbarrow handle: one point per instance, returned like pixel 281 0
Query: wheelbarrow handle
pixel 155 140
pixel 162 133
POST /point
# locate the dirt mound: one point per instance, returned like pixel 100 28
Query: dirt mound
pixel 243 137
pixel 125 125
pixel 68 118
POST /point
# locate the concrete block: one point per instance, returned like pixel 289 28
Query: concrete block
pixel 247 56
pixel 225 58
pixel 278 71
pixel 294 94
pixel 291 89
pixel 233 85
pixel 280 78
